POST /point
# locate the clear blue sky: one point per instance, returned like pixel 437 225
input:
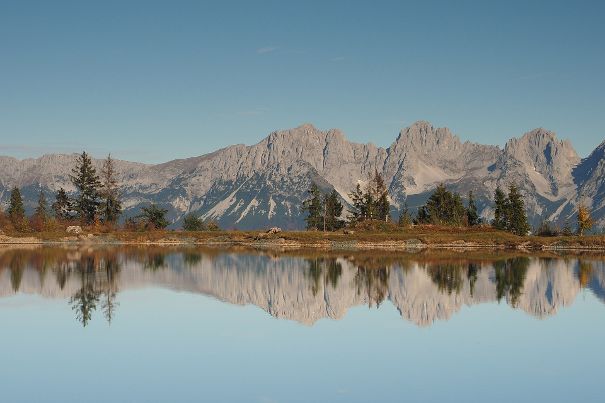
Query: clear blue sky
pixel 152 81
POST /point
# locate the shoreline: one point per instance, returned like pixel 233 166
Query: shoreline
pixel 408 240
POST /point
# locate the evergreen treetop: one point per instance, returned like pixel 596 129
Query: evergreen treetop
pixel 16 210
pixel 85 179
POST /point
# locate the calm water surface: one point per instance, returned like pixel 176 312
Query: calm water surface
pixel 172 325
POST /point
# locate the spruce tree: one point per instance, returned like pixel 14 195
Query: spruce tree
pixel 500 210
pixel 16 211
pixel 85 179
pixel 62 206
pixel 382 208
pixel 471 211
pixel 443 208
pixel 111 206
pixel 332 212
pixel 517 218
pixel 314 208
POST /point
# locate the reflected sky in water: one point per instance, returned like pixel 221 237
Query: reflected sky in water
pixel 161 324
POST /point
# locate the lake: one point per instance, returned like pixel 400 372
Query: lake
pixel 153 324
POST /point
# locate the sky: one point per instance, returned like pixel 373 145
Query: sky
pixel 152 81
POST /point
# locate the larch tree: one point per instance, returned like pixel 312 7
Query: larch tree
pixel 585 221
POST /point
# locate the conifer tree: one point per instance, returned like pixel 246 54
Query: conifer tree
pixel 359 208
pixel 16 211
pixel 62 206
pixel 154 217
pixel 501 209
pixel 471 211
pixel 314 208
pixel 111 206
pixel 192 222
pixel 443 208
pixel 371 203
pixel 85 179
pixel 517 218
pixel 332 212
pixel 40 217
pixel 381 197
pixel 42 208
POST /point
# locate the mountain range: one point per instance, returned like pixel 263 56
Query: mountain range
pixel 264 185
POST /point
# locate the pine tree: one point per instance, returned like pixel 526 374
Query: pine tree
pixel 85 179
pixel 314 208
pixel 501 210
pixel 62 206
pixel 332 212
pixel 154 217
pixel 471 211
pixel 585 221
pixel 517 218
pixel 443 208
pixel 111 206
pixel 16 211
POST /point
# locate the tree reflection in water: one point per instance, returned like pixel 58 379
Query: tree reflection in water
pixel 375 281
pixel 327 269
pixel 91 278
pixel 510 277
pixel 98 279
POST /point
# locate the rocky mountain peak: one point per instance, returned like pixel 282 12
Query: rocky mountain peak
pixel 265 184
pixel 541 146
pixel 421 136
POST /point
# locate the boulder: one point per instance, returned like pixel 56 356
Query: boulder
pixel 74 229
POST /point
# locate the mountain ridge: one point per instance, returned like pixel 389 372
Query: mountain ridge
pixel 264 184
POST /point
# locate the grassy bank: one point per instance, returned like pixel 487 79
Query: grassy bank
pixel 415 237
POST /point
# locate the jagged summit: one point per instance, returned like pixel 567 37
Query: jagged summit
pixel 265 184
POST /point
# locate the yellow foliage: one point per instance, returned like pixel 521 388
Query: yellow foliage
pixel 585 221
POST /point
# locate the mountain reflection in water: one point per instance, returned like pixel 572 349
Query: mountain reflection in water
pixel 305 288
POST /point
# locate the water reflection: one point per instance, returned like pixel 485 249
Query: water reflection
pixel 424 287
